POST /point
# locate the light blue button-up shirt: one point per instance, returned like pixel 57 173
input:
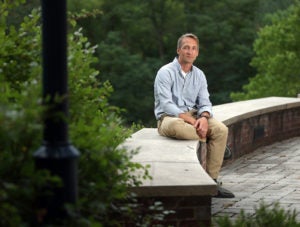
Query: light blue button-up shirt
pixel 175 94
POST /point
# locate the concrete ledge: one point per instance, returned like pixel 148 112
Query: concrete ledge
pixel 173 165
pixel 234 112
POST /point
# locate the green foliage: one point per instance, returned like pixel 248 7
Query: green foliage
pixel 20 120
pixel 105 171
pixel 14 46
pixel 271 6
pixel 135 96
pixel 226 30
pixel 136 38
pixel 265 216
pixel 277 58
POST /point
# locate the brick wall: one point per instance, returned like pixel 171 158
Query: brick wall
pixel 188 211
pixel 247 135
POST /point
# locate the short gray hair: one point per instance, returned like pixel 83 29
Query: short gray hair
pixel 189 35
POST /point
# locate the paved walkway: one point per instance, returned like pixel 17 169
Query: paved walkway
pixel 270 174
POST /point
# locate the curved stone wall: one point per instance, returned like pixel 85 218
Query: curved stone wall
pixel 259 122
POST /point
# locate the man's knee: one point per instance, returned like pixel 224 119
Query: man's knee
pixel 224 129
pixel 177 128
pixel 217 128
pixel 169 126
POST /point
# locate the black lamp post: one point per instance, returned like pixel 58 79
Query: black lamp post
pixel 56 153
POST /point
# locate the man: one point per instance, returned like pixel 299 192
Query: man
pixel 183 108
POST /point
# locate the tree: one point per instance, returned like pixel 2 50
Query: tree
pixel 138 40
pixel 131 78
pixel 136 37
pixel 277 58
pixel 226 30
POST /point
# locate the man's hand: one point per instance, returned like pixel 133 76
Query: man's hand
pixel 201 126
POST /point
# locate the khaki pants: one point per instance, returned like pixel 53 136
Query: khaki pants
pixel 216 139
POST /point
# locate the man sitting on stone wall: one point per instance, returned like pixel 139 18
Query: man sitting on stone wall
pixel 183 108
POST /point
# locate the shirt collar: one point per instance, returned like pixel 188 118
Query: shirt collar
pixel 178 66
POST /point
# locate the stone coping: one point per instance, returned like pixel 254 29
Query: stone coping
pixel 231 113
pixel 174 166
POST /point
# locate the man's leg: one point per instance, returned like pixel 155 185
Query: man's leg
pixel 217 137
pixel 176 128
pixel 216 145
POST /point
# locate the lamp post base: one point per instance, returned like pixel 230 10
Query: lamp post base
pixel 60 161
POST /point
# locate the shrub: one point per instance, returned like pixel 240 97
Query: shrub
pixel 265 216
pixel 105 171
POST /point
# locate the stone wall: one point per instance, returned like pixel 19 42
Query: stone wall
pixel 178 180
pixel 248 134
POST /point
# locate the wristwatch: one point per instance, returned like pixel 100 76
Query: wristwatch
pixel 205 115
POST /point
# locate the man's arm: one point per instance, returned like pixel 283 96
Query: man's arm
pixel 187 118
pixel 204 105
pixel 163 94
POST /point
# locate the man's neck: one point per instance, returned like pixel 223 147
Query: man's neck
pixel 186 67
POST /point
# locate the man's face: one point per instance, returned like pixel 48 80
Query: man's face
pixel 188 51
